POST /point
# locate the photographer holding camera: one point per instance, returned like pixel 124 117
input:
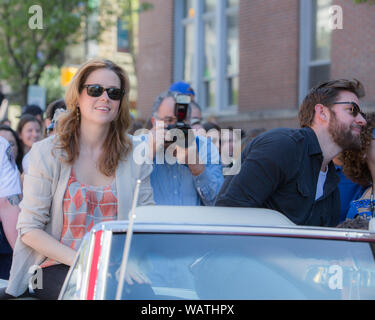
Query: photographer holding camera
pixel 187 169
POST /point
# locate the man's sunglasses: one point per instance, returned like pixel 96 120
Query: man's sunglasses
pixel 95 90
pixel 355 109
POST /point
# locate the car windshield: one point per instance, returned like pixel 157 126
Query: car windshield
pixel 217 266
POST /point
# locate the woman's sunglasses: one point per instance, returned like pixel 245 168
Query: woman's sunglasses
pixel 95 90
pixel 355 109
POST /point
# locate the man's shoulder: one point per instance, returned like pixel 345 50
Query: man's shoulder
pixel 280 138
pixel 285 134
pixel 282 146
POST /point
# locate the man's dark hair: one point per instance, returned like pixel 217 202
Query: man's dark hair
pixel 326 93
pixel 32 109
pixel 53 106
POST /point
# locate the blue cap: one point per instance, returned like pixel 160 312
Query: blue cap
pixel 182 87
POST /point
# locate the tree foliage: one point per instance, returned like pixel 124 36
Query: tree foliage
pixel 26 51
pixel 364 1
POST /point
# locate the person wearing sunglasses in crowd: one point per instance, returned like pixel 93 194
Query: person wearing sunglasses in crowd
pixel 359 166
pixel 82 175
pixel 291 170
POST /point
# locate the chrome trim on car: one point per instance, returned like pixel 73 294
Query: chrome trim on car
pixel 170 221
pixel 297 231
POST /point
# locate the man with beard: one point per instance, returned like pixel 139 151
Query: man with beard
pixel 291 170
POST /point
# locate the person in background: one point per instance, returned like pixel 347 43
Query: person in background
pixel 359 167
pixel 196 117
pixel 348 189
pixel 9 134
pixel 82 175
pixel 6 122
pixel 183 182
pixel 231 146
pixel 358 222
pixel 29 130
pixel 135 125
pixel 213 131
pixel 53 110
pixel 250 135
pixel 10 196
pixel 196 110
pixel 33 110
pixel 182 87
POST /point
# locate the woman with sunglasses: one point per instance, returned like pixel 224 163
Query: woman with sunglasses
pixel 359 166
pixel 83 175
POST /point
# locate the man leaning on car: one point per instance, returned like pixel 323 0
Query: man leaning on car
pixel 291 170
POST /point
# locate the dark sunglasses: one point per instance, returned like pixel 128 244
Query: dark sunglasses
pixel 95 90
pixel 355 109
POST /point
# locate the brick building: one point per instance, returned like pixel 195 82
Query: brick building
pixel 252 61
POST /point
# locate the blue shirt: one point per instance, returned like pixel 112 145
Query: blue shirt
pixel 174 184
pixel 348 191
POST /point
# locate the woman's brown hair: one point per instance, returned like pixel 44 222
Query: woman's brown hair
pixel 355 161
pixel 117 143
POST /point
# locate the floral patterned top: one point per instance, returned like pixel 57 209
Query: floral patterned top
pixel 83 207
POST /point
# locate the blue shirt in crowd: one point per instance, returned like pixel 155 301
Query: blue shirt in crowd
pixel 348 191
pixel 174 184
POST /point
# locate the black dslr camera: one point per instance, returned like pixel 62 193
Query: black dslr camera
pixel 180 129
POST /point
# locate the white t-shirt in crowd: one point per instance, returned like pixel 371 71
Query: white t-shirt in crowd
pixel 25 163
pixel 320 185
pixel 9 175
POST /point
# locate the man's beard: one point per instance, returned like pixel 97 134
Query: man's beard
pixel 342 135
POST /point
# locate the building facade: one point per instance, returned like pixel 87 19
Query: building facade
pixel 251 62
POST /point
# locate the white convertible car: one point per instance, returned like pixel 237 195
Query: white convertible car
pixel 215 253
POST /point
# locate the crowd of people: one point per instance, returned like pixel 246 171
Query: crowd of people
pixel 63 174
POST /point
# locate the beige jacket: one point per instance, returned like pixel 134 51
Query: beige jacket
pixel 44 188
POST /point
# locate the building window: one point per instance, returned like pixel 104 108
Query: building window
pixel 315 44
pixel 122 36
pixel 206 51
pixel 188 27
pixel 210 52
pixel 232 52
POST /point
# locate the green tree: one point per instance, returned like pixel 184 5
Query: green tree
pixel 29 41
pixel 50 79
pixel 364 1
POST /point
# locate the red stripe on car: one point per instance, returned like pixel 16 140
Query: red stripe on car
pixel 93 275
